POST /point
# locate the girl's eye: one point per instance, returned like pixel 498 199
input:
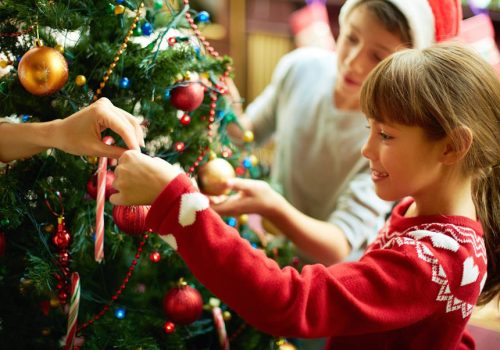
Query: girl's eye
pixel 384 136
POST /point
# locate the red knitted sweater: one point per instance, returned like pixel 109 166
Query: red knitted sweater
pixel 413 289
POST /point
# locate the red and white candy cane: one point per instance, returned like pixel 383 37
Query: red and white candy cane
pixel 220 326
pixel 100 200
pixel 73 310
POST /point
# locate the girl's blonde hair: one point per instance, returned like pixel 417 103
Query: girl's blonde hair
pixel 442 89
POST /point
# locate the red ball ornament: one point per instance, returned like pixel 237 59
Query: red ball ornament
pixel 92 185
pixel 169 327
pixel 2 243
pixel 155 257
pixel 131 219
pixel 183 304
pixel 188 97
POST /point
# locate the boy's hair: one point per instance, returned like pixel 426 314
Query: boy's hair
pixel 390 17
pixel 442 89
pixel 428 21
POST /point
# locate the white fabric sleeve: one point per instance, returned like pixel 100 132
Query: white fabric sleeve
pixel 262 112
pixel 360 214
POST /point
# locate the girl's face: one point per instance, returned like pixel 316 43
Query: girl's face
pixel 362 44
pixel 403 161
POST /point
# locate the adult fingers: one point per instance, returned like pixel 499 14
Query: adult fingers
pixel 139 134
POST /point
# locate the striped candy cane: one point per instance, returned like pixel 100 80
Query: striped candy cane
pixel 221 328
pixel 100 200
pixel 73 310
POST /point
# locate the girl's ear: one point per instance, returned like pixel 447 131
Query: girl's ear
pixel 457 145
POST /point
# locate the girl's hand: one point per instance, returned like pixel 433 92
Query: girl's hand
pixel 253 197
pixel 139 178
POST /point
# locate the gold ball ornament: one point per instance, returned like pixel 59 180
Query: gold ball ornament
pixel 43 71
pixel 248 136
pixel 80 80
pixel 287 346
pixel 213 175
pixel 119 9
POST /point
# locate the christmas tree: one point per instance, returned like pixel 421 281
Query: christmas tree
pixel 64 281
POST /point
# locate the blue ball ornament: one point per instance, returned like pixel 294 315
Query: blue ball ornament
pixel 147 28
pixel 232 222
pixel 124 83
pixel 25 118
pixel 120 313
pixel 247 163
pixel 119 2
pixel 203 17
pixel 166 94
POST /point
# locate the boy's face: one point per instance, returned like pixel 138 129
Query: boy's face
pixel 362 44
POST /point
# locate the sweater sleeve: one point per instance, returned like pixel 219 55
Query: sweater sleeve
pixel 344 299
pixel 263 111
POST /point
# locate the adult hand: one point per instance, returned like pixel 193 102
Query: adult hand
pixel 80 133
pixel 253 197
pixel 139 178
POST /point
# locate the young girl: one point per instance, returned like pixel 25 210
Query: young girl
pixel 434 124
pixel 312 108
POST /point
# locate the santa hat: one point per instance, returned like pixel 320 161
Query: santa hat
pixel 429 20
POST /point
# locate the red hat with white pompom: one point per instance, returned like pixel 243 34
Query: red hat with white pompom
pixel 429 20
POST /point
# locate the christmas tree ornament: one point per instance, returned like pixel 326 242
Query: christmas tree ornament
pixel 124 83
pixel 74 305
pixel 220 326
pixel 185 119
pixel 131 219
pixel 80 80
pixel 187 97
pixel 120 313
pixel 2 243
pixel 42 70
pixel 248 136
pixel 202 17
pixel 179 146
pixel 92 185
pixel 102 170
pixel 155 257
pixel 226 315
pixel 183 304
pixel 213 176
pixel 287 346
pixel 59 48
pixel 169 327
pixel 119 9
pixel 147 28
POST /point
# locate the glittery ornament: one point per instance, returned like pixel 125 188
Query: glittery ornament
pixel 213 175
pixel 131 219
pixel 43 71
pixel 187 98
pixel 183 304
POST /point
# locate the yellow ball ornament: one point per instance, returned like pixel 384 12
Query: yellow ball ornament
pixel 248 136
pixel 43 71
pixel 119 9
pixel 213 175
pixel 3 64
pixel 243 219
pixel 287 346
pixel 59 48
pixel 80 80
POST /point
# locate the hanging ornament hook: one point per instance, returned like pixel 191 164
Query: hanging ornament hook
pixel 51 208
